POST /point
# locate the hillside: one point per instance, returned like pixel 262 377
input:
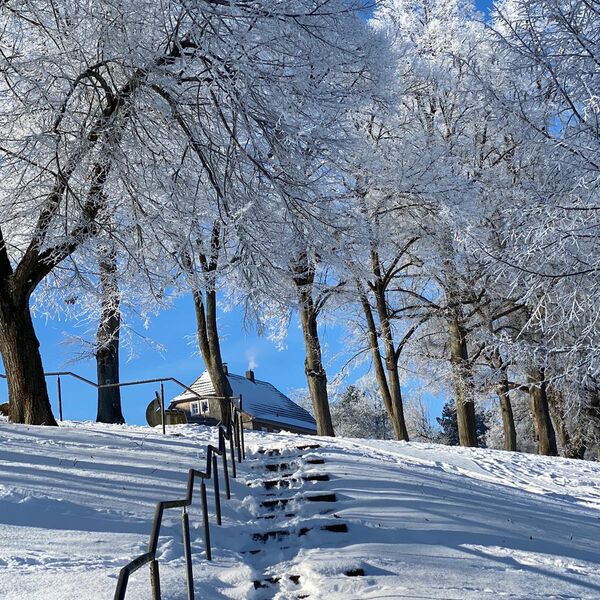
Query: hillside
pixel 424 521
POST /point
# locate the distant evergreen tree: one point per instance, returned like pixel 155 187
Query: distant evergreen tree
pixel 449 424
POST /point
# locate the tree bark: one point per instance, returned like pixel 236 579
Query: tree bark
pixel 210 346
pixel 573 446
pixel 391 377
pixel 391 363
pixel 544 431
pixel 463 384
pixel 20 349
pixel 107 342
pixel 316 376
pixel 303 276
pixel 593 412
pixel 508 421
pixel 205 308
pixel 378 362
pixel 558 419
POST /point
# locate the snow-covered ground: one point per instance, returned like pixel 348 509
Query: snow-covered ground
pixel 424 521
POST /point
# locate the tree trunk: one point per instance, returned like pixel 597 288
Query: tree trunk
pixel 463 384
pixel 391 359
pixel 210 346
pixel 544 430
pixel 558 419
pixel 391 364
pixel 573 446
pixel 303 276
pixel 593 411
pixel 20 349
pixel 508 421
pixel 316 376
pixel 397 423
pixel 107 340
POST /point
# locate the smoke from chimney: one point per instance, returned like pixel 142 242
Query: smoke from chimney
pixel 251 356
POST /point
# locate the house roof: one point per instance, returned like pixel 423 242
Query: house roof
pixel 260 399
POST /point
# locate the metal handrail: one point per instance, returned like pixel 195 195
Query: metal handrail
pixel 161 380
pixel 233 431
pixel 229 432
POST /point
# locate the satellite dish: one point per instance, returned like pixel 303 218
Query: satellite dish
pixel 153 416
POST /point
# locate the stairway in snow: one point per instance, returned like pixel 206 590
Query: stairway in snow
pixel 294 512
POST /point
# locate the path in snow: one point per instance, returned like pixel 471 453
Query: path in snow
pixel 423 521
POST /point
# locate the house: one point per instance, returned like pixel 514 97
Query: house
pixel 265 408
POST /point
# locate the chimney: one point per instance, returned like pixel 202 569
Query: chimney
pixel 250 375
pixel 225 369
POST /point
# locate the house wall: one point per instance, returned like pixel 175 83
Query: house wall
pixel 214 408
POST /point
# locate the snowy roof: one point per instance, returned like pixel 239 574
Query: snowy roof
pixel 260 399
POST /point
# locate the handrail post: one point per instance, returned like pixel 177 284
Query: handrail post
pixel 187 552
pixel 231 451
pixel 242 429
pixel 155 579
pixel 223 448
pixel 236 433
pixel 205 520
pixel 215 475
pixel 162 407
pixel 122 584
pixel 59 389
pixel 238 420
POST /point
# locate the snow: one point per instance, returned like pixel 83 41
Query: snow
pixel 424 521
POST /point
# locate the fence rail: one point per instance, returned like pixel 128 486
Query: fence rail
pixel 161 380
pixel 231 432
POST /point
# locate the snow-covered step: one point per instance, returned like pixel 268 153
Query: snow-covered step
pixel 322 498
pixel 277 466
pixel 277 535
pixel 333 528
pixel 281 502
pixel 316 477
pixel 289 515
pixel 279 483
pixel 288 482
pixel 266 583
pixel 285 466
pixel 278 451
pixel 280 534
pixel 269 452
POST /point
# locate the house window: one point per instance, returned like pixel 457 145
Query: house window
pixel 199 408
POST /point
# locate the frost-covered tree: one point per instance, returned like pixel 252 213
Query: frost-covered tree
pixel 355 414
pixel 73 75
pixel 103 109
